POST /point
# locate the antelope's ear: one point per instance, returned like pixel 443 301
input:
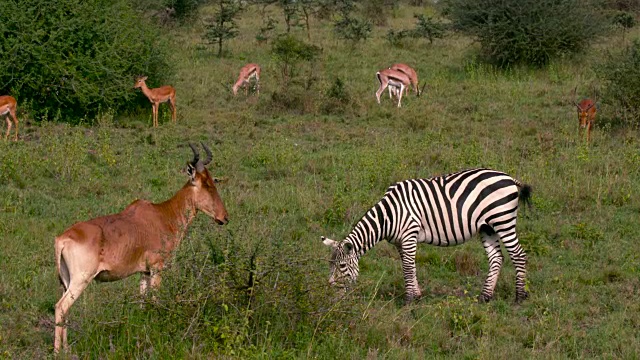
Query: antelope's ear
pixel 329 242
pixel 348 247
pixel 191 171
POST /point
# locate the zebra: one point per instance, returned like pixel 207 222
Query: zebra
pixel 443 211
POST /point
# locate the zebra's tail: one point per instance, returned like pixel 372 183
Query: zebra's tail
pixel 525 192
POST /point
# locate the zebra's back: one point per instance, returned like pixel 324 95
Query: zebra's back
pixel 451 209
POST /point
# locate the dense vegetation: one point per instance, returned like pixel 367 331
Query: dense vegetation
pixel 68 59
pixel 307 160
pixel 528 31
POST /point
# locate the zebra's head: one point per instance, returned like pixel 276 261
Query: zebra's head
pixel 343 263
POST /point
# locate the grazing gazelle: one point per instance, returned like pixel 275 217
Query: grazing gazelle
pixel 246 73
pixel 8 106
pixel 413 76
pixel 137 240
pixel 157 96
pixel 396 80
pixel 586 114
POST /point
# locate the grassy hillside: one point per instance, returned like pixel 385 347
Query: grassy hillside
pixel 292 177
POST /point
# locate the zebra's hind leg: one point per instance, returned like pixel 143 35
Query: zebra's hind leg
pixel 491 243
pixel 518 258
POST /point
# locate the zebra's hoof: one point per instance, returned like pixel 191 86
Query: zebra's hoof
pixel 409 298
pixel 482 298
pixel 521 296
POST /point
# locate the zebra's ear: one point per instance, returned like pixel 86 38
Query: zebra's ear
pixel 329 242
pixel 348 247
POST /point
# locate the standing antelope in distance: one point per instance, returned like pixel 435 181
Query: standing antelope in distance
pixel 157 96
pixel 411 73
pixel 396 80
pixel 586 114
pixel 137 240
pixel 8 106
pixel 247 72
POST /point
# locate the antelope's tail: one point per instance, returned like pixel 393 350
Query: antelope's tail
pixel 61 265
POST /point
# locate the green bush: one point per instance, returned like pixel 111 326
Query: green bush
pixel 528 31
pixel 72 58
pixel 621 77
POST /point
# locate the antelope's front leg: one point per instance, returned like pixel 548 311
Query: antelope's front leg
pixel 407 250
pixel 144 283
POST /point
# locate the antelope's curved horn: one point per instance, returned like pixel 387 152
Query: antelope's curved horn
pixel 422 90
pixel 209 156
pixel 196 154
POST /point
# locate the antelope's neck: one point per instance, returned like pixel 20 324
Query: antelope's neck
pixel 146 91
pixel 179 211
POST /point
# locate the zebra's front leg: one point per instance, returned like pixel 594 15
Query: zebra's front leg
pixel 407 250
pixel 491 245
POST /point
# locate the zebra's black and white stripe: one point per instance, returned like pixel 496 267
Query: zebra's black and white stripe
pixel 442 211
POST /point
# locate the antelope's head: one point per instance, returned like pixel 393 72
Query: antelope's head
pixel 206 195
pixel 343 263
pixel 140 82
pixel 586 112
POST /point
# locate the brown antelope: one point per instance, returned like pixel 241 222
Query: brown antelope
pixel 246 73
pixel 157 96
pixel 137 240
pixel 586 115
pixel 413 76
pixel 8 105
pixel 396 80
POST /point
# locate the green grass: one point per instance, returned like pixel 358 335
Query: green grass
pixel 293 177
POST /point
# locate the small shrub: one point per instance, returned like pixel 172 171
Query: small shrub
pixel 624 19
pixel 337 98
pixel 397 37
pixel 428 28
pixel 528 31
pixel 184 9
pixel 377 11
pixel 288 52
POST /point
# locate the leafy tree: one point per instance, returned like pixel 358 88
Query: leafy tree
pixel 290 12
pixel 428 28
pixel 352 29
pixel 267 29
pixel 222 26
pixel 74 58
pixel 528 31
